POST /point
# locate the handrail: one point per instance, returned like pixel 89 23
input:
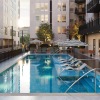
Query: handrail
pixel 65 82
pixel 55 51
pixel 79 79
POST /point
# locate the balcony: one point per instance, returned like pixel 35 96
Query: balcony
pixel 93 6
pixel 90 28
pixel 80 1
pixel 79 11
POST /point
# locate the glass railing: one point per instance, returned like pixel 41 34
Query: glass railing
pixel 92 3
pixel 91 26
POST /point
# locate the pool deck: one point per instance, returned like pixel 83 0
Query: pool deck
pixel 93 61
pixel 53 97
pixel 8 63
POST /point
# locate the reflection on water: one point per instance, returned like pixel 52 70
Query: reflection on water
pixel 10 80
pixel 30 75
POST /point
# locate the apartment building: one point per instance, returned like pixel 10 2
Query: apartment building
pixel 9 15
pixel 54 12
pixel 91 29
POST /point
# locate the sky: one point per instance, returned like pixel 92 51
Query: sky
pixel 24 20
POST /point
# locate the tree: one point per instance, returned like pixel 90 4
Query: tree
pixel 74 29
pixel 44 32
pixel 26 39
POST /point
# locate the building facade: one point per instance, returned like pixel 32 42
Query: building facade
pixel 54 12
pixel 91 29
pixel 26 31
pixel 9 15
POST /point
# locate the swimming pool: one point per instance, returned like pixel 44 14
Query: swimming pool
pixel 40 74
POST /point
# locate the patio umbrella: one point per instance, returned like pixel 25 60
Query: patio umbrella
pixel 72 42
pixel 35 41
pixel 57 42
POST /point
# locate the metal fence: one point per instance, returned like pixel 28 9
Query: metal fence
pixel 9 54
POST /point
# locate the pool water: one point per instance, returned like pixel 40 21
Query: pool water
pixel 40 74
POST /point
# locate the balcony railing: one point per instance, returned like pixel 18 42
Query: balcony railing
pixel 80 1
pixel 79 11
pixel 91 27
pixel 93 6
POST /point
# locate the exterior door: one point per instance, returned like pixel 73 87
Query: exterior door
pixel 94 46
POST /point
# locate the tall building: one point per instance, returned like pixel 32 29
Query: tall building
pixel 91 29
pixel 9 15
pixel 54 12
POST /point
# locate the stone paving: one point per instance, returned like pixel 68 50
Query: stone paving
pixel 52 97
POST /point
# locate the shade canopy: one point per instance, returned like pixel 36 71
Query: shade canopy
pixel 72 42
pixel 32 45
pixel 36 41
pixel 44 45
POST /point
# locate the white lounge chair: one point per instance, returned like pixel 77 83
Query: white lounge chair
pixel 71 63
pixel 77 68
pixel 81 67
pixel 71 58
pixel 66 61
pixel 79 62
pixel 61 59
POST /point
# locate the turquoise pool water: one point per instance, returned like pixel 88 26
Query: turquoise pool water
pixel 40 74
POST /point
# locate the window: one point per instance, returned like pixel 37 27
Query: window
pixel 71 10
pixel 59 6
pixel 38 18
pixel 61 18
pixel 46 18
pixel 37 6
pixel 64 6
pixel 46 6
pixel 5 30
pixel 71 20
pixel 42 6
pixel 42 18
pixel 62 30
